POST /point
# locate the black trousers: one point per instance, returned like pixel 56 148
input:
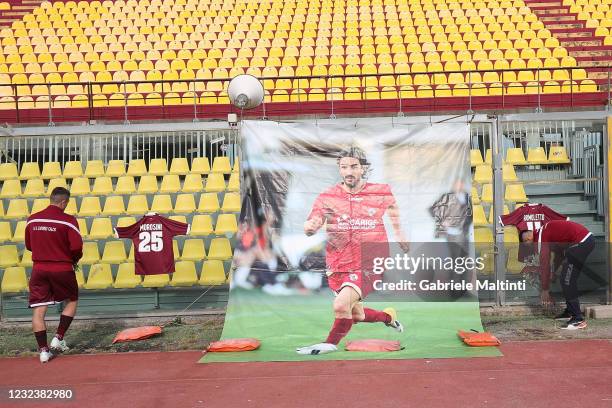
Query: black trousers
pixel 574 259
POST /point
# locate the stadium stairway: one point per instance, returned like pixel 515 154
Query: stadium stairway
pixel 578 36
pixel 16 9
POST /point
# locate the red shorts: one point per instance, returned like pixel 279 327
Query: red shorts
pixel 48 288
pixel 362 283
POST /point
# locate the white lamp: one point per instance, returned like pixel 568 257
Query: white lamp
pixel 245 92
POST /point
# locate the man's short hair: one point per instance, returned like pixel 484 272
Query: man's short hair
pixel 356 153
pixel 59 194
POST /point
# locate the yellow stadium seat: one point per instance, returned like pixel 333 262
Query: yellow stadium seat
pixel 515 193
pixel 90 207
pixel 5 231
pixel 8 256
pixel 162 203
pixel 126 277
pixel 137 167
pixel 1 209
pixel 14 280
pixel 26 259
pixel 508 172
pixel 231 202
pixel 475 197
pixel 506 210
pixel 511 235
pixel 185 204
pixel 11 189
pixel 483 235
pixel 33 188
pixel 113 205
pixel 220 249
pixel 19 235
pixel 147 184
pixel 558 155
pixel 99 276
pixel 137 205
pixel 170 184
pixel 483 174
pixel 236 168
pixel 487 193
pixel 209 203
pixel 101 228
pixel 515 156
pixel 51 170
pixel 102 186
pixel 200 165
pixel 233 183
pixel 17 208
pixel 536 155
pixel 201 225
pixel 73 169
pixel 212 273
pixel 71 208
pixel 185 274
pixel 215 182
pixel 221 164
pixel 114 252
pixel 157 167
pixel 125 185
pixel 54 183
pixel 179 166
pixel 193 183
pixel 83 227
pixel 94 168
pixel 193 250
pixel 514 265
pixel 115 168
pixel 80 186
pixel 8 171
pixel 156 281
pixel 226 224
pixel 126 221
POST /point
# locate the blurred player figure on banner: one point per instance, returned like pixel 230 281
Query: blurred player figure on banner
pixel 352 213
pixel 55 241
pixel 571 243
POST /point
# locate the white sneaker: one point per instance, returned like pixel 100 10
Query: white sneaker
pixel 45 356
pixel 58 345
pixel 315 349
pixel 395 324
pixel 278 289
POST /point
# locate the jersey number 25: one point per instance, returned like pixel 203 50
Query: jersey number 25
pixel 150 241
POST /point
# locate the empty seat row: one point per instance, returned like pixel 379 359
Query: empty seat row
pixel 485 235
pixel 148 184
pixel 480 219
pixel 484 173
pixel 99 276
pixel 117 168
pixel 515 156
pixel 514 193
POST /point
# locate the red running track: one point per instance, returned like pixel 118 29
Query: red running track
pixel 531 374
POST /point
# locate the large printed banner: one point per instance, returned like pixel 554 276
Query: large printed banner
pixel 353 229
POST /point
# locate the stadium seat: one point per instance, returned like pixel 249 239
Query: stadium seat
pixel 511 235
pixel 90 207
pixel 236 168
pixel 212 273
pixel 125 185
pixel 29 170
pixel 201 225
pixel 73 169
pixel 94 169
pixel 478 216
pixel 137 167
pixel 221 164
pixel 113 205
pixel 209 203
pixel 170 184
pixel 231 202
pixel 8 171
pixel 193 250
pixel 200 165
pixel 215 182
pixel 233 183
pixel 179 166
pixel 476 157
pixel 8 256
pixel 33 188
pixel 126 221
pixel 193 183
pixel 487 193
pixel 137 205
pixel 14 280
pixel 483 235
pixel 156 281
pixel 558 155
pixel 83 227
pixel 513 265
pixel 17 208
pixel 26 259
pixel 56 182
pixel 11 189
pixel 51 170
pixel 80 186
pixel 115 168
pixel 515 156
pixel 483 174
pixel 126 277
pixel 99 276
pixel 185 274
pixel 102 186
pixel 147 184
pixel 39 204
pixel 226 224
pixel 508 172
pixel 220 249
pixel 158 167
pixel 162 204
pixel 114 252
pixel 515 193
pixel 505 210
pixel 101 228
pixel 536 155
pixel 19 235
pixel 2 212
pixel 5 231
pixel 185 204
pixel 71 208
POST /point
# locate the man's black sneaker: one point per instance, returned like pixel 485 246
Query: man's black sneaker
pixel 575 324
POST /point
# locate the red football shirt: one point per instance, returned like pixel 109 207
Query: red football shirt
pixel 353 219
pixel 152 237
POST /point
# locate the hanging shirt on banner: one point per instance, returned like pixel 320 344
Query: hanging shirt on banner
pixel 530 217
pixel 152 238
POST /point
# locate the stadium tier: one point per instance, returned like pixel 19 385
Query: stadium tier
pixel 116 53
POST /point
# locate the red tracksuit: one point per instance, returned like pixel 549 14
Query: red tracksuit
pixel 56 244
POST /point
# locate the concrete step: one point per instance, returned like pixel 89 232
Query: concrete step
pixel 563 25
pixel 573 35
pixel 556 201
pixel 597 228
pixel 554 188
pixel 587 42
pixel 560 18
pixel 584 219
pixel 594 53
pixel 577 208
pixel 550 11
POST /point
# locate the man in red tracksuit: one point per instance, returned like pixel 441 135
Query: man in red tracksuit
pixel 56 244
pixel 572 243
